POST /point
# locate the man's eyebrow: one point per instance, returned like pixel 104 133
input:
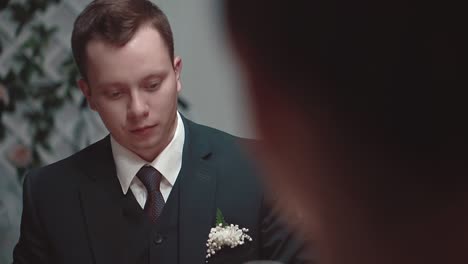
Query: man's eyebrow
pixel 154 75
pixel 109 84
pixel 157 75
pixel 151 77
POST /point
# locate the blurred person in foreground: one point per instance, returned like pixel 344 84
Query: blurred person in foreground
pixel 362 109
pixel 152 190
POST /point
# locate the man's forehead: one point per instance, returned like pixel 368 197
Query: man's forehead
pixel 146 36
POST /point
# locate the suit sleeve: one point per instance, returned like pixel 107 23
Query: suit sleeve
pixel 32 245
pixel 280 243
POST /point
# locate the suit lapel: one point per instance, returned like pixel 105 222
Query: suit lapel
pixel 115 222
pixel 197 196
pixel 111 217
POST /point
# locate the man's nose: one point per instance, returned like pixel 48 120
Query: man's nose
pixel 137 107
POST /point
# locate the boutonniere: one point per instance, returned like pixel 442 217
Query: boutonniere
pixel 225 235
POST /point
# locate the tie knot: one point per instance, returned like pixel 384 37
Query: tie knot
pixel 150 177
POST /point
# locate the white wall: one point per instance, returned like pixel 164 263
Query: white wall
pixel 211 80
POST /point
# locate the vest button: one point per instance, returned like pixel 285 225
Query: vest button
pixel 158 239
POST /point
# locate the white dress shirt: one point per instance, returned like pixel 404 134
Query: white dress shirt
pixel 168 163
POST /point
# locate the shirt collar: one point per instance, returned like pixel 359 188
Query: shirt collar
pixel 168 162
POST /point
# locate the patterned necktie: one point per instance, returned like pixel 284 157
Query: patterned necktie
pixel 151 178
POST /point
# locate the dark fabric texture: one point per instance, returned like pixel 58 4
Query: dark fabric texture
pixel 75 211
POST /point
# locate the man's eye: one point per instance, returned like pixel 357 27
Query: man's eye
pixel 153 86
pixel 114 94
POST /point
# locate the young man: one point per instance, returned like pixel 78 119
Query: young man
pixel 151 191
pixel 362 110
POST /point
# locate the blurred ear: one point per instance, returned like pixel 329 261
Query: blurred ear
pixel 178 70
pixel 85 89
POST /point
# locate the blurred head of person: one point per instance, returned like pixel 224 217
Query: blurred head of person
pixel 125 53
pixel 361 110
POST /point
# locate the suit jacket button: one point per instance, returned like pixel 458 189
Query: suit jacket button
pixel 158 239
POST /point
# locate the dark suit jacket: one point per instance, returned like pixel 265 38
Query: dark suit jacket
pixel 75 211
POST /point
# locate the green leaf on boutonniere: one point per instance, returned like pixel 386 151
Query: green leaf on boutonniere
pixel 220 218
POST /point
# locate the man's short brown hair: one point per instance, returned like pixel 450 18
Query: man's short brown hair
pixel 116 22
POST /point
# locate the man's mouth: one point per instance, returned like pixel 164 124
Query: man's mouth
pixel 142 130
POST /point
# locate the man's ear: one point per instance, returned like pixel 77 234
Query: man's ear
pixel 85 89
pixel 178 70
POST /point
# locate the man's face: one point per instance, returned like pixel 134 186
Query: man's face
pixel 134 89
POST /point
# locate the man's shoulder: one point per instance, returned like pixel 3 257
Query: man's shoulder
pixel 219 138
pixel 231 154
pixel 69 167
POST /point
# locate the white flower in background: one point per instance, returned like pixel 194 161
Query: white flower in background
pixel 4 97
pixel 224 235
pixel 20 156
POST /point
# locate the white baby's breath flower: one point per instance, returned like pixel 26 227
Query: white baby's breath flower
pixel 225 236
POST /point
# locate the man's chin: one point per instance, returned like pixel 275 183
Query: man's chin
pixel 146 144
